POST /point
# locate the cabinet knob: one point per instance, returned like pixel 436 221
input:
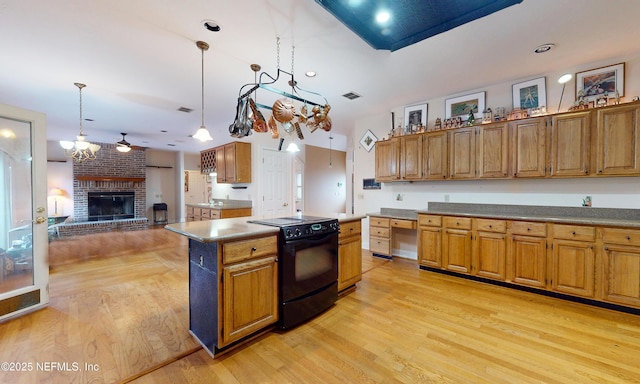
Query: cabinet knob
pixel 253 249
pixel 490 226
pixel 628 237
pixel 573 233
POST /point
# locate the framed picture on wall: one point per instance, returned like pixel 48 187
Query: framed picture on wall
pixel 461 105
pixel 368 140
pixel 415 115
pixel 530 94
pixel 596 82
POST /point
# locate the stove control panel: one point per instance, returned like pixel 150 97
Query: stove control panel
pixel 301 231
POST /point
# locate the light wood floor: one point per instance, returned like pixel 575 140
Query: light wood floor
pixel 129 315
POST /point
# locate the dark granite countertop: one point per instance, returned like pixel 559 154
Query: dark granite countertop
pixel 615 217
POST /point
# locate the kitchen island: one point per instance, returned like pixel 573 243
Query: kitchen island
pixel 233 276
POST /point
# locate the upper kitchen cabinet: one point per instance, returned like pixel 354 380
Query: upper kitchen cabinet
pixel 233 162
pixel 435 155
pixel 570 144
pixel 462 153
pixel 388 160
pixel 529 147
pixel 493 150
pixel 618 141
pixel 411 157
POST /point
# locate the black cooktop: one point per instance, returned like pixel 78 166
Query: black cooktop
pixel 293 220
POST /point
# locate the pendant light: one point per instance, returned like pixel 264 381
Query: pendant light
pixel 202 134
pixel 123 145
pixel 81 149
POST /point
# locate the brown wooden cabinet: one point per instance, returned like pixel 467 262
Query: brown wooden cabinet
pixel 456 244
pixel 527 255
pixel 621 262
pixel 430 240
pixel 248 288
pixel 349 254
pixel 380 236
pixel 462 153
pixel 493 150
pixel 388 160
pixel 573 261
pixel 411 157
pixel 233 161
pixel 208 213
pixel 489 249
pixel 435 153
pixel 528 147
pixel 618 140
pixel 570 144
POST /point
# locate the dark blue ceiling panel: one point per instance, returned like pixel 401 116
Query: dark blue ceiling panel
pixel 410 21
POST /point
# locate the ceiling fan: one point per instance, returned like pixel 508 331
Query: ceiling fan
pixel 123 145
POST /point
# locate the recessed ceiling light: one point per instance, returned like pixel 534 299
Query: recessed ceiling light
pixel 311 74
pixel 543 48
pixel 383 16
pixel 211 25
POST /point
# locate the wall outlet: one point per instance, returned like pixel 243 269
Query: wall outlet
pixel 399 197
pixel 446 198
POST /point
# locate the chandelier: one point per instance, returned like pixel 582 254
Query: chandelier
pixel 202 134
pixel 81 149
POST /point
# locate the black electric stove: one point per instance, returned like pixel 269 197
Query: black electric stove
pixel 300 226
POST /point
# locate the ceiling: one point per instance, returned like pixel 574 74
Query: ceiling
pixel 140 62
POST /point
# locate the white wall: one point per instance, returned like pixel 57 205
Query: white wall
pixel 614 192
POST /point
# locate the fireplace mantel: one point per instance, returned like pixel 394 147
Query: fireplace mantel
pixel 110 178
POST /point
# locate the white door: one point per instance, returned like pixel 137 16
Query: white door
pixel 276 183
pixel 24 272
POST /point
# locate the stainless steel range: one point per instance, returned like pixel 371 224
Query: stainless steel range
pixel 308 266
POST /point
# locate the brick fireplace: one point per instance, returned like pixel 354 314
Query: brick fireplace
pixel 110 172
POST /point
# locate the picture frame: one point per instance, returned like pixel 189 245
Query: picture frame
pixel 460 106
pixel 415 115
pixel 530 94
pixel 368 140
pixel 595 82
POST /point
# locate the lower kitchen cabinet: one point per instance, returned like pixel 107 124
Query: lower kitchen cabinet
pixel 456 244
pixel 380 236
pixel 249 287
pixel 490 249
pixel 528 254
pixel 430 240
pixel 621 261
pixel 349 254
pixel 573 260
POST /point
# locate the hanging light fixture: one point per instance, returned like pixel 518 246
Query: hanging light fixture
pixel 202 134
pixel 81 149
pixel 123 145
pixel 293 147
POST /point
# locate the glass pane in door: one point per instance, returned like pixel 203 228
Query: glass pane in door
pixel 16 222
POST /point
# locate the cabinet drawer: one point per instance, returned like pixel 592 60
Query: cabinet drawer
pixel 215 213
pixel 573 232
pixel 430 220
pixel 489 225
pixel 457 222
pixel 620 236
pixel 379 232
pixel 197 212
pixel 379 245
pixel 249 249
pixel 350 228
pixel 402 223
pixel 529 228
pixel 206 213
pixel 379 221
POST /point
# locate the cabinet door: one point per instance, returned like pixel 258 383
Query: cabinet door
pixel 528 148
pixel 493 154
pixel 573 268
pixel 387 160
pixel 221 175
pixel 250 298
pixel 349 261
pixel 618 141
pixel 570 149
pixel 622 274
pixel 230 163
pixel 435 152
pixel 462 153
pixel 411 157
pixel 528 260
pixel 489 256
pixel 430 246
pixel 242 162
pixel 456 250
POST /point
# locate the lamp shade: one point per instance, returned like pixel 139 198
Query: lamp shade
pixel 56 192
pixel 293 147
